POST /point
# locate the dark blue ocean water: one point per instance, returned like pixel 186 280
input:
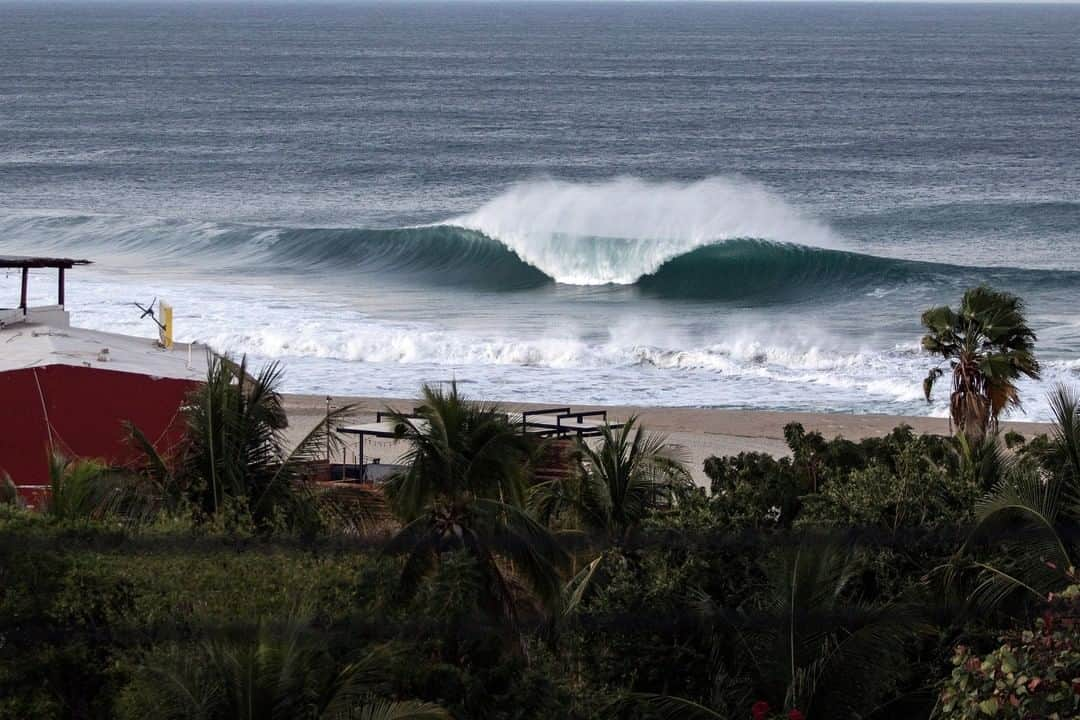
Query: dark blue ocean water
pixel 654 203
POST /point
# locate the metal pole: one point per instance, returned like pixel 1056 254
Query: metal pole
pixel 25 281
pixel 327 428
pixel 60 287
pixel 360 457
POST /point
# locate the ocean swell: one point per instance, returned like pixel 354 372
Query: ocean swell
pixel 717 239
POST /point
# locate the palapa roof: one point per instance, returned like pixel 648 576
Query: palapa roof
pixel 28 261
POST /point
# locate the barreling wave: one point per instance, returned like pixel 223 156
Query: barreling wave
pixel 451 255
pixel 715 239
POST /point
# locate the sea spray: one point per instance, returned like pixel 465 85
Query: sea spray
pixel 620 230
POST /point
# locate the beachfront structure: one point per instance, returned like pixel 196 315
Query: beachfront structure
pixel 557 424
pixel 70 390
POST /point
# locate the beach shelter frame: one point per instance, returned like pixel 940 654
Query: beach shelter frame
pixel 558 422
pixel 26 263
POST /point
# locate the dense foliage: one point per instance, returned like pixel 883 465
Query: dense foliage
pixel 904 576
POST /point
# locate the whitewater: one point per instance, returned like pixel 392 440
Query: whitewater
pixel 612 292
pixel 719 205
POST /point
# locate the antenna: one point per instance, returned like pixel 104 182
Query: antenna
pixel 148 312
pixel 164 323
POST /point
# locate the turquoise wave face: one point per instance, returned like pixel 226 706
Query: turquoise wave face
pixel 741 270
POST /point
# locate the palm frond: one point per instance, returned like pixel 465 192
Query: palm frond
pixel 664 707
pixel 292 468
pixel 577 587
pixel 1065 407
pixel 1018 524
pixel 391 710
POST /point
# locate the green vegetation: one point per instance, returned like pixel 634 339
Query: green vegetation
pixel 898 577
pixel 463 493
pixel 1032 674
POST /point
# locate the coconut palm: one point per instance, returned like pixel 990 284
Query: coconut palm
pixel 989 346
pixel 77 488
pixel 88 489
pixel 1065 406
pixel 283 671
pixel 462 490
pixel 620 479
pixel 236 451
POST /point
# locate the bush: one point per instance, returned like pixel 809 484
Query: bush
pixel 1033 674
pixel 79 602
pixel 907 491
pixel 896 480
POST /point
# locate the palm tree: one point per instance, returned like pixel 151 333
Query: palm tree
pixel 462 491
pixel 282 671
pixel 1065 405
pixel 77 488
pixel 620 480
pixel 236 450
pixel 982 463
pixel 989 346
pixel 87 489
pixel 1028 524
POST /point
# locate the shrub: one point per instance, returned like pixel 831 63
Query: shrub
pixel 1032 674
pixel 896 480
pixel 79 601
pixel 909 491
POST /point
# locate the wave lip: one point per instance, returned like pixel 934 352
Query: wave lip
pixel 618 231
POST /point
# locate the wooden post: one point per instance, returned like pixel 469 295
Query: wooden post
pixel 60 288
pixel 25 282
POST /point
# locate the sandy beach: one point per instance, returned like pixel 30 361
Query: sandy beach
pixel 702 432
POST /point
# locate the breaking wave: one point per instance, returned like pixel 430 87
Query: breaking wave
pixel 714 239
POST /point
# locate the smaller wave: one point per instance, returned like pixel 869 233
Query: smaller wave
pixel 969 217
pixel 744 370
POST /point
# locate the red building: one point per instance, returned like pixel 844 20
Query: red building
pixel 71 390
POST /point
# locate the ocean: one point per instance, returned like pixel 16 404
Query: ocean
pixel 733 205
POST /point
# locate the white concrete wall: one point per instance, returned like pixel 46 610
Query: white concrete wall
pixel 51 315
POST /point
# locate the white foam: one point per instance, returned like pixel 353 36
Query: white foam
pixel 619 230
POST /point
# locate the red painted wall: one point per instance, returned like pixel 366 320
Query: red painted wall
pixel 85 409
